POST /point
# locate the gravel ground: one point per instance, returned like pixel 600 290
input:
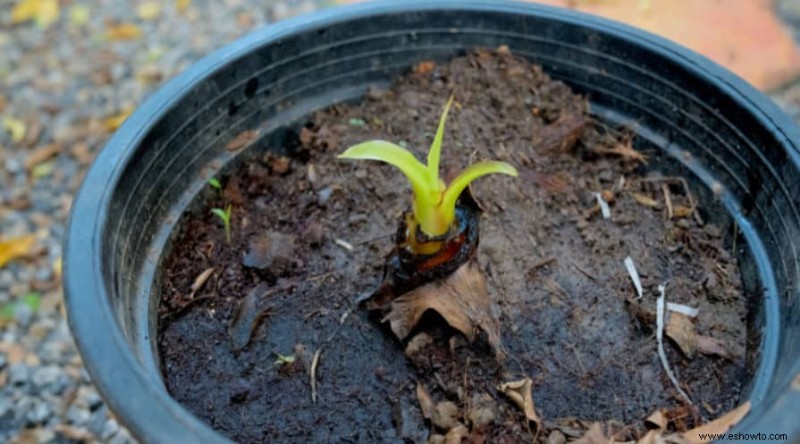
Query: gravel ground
pixel 64 87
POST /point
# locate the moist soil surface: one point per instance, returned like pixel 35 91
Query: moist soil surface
pixel 262 338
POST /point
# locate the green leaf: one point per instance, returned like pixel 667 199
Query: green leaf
pixel 214 182
pixel 435 152
pixel 356 121
pixel 220 213
pixel 472 172
pixel 282 360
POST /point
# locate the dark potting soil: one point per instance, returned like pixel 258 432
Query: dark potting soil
pixel 261 337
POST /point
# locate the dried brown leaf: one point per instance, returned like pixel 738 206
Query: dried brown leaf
pixel 425 401
pixel 657 419
pixel 699 435
pixel 681 211
pixel 624 150
pixel 645 200
pixel 456 435
pixel 41 154
pixel 594 435
pixel 460 298
pixel 680 329
pixel 712 346
pixel 247 317
pixel 242 140
pixel 520 392
pixel 201 279
pixel 424 67
pixel 652 437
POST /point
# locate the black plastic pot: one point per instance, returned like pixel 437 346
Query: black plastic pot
pixel 728 135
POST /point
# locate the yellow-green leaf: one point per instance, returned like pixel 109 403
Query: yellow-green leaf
pixel 472 172
pixel 149 10
pixel 16 128
pixel 16 247
pixel 79 15
pixel 435 153
pixel 43 12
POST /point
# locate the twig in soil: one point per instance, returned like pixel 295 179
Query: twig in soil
pixel 374 239
pixel 541 263
pixel 660 337
pixel 685 185
pixel 634 276
pixel 582 270
pixel 667 200
pixel 344 244
pixel 313 372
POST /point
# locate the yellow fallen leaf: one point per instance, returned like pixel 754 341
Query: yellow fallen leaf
pixel 181 5
pixel 57 268
pixel 113 122
pixel 123 31
pixel 15 247
pixel 16 128
pixel 149 10
pixel 79 15
pixel 44 12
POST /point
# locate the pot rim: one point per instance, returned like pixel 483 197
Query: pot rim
pixel 88 308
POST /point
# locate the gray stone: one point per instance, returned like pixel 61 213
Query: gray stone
pixel 110 428
pixel 78 416
pixel 18 375
pixel 50 378
pixel 38 413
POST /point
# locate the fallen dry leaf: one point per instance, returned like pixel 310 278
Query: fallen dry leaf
pixel 712 346
pixel 247 317
pixel 41 154
pixel 15 247
pixel 521 393
pixel 424 67
pixel 456 435
pixel 698 435
pixel 200 280
pixel 645 200
pixel 652 437
pixel 425 401
pixel 657 419
pixel 461 299
pixel 111 123
pixel 181 5
pixel 242 140
pixel 681 211
pixel 122 31
pixel 624 150
pixel 594 435
pixel 44 12
pixel 680 329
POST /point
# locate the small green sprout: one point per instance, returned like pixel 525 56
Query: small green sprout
pixel 214 182
pixel 434 201
pixel 284 360
pixel 225 215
